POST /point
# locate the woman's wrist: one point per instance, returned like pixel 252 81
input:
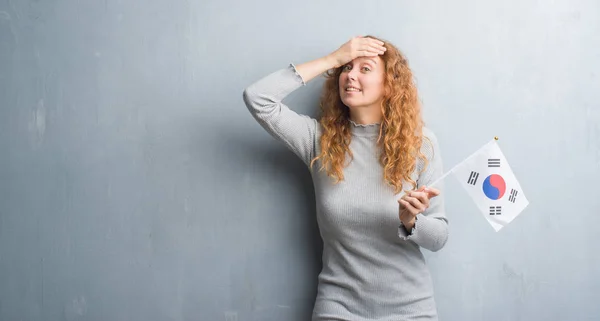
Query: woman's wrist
pixel 409 223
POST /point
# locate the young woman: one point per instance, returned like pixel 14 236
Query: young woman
pixel 372 161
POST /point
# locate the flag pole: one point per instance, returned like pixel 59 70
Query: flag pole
pixel 453 169
pixel 444 176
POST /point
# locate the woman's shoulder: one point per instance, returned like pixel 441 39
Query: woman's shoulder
pixel 428 132
pixel 430 140
pixel 430 149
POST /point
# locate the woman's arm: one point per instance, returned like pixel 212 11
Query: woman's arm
pixel 264 97
pixel 429 229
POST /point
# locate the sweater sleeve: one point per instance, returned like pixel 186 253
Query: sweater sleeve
pixel 431 227
pixel 264 101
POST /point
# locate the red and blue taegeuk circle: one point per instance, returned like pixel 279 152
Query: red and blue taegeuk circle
pixel 494 187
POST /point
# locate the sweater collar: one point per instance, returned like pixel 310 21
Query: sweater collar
pixel 364 129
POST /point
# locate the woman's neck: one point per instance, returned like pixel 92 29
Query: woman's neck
pixel 366 116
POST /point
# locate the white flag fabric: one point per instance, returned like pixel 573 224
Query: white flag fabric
pixel 489 180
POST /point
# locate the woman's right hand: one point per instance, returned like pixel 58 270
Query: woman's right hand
pixel 357 47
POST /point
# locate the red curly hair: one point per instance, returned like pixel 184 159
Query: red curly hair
pixel 400 134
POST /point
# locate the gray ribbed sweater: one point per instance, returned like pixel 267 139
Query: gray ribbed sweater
pixel 372 269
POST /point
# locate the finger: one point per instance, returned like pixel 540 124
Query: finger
pixel 379 46
pixel 433 191
pixel 424 202
pixel 375 50
pixel 372 44
pixel 422 197
pixel 367 53
pixel 379 49
pixel 415 203
pixel 374 41
pixel 411 209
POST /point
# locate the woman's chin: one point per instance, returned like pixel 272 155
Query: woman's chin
pixel 350 103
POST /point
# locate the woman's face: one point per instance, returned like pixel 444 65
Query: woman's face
pixel 361 83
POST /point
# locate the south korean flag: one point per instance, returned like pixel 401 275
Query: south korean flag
pixel 489 180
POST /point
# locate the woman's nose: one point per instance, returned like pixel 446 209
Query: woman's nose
pixel 352 75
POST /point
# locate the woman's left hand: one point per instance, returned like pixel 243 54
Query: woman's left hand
pixel 414 203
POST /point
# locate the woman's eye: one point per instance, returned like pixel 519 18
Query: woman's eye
pixel 366 69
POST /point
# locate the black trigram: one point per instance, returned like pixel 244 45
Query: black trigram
pixel 495 210
pixel 513 195
pixel 473 178
pixel 494 162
